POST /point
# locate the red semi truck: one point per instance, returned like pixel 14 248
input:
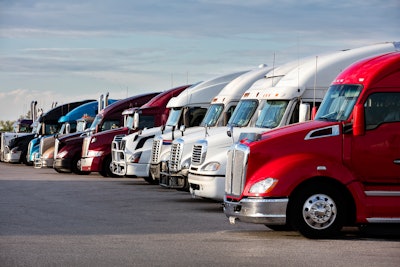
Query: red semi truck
pixel 341 169
pixel 96 148
pixel 68 149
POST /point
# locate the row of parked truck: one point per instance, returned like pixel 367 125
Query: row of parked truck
pixel 313 144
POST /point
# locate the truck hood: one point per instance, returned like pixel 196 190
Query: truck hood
pixel 305 128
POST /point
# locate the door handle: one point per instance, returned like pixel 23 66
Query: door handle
pixel 396 161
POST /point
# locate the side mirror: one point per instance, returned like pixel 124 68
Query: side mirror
pixel 182 128
pixel 304 112
pixel 358 120
pixel 136 120
pixel 67 128
pixel 229 130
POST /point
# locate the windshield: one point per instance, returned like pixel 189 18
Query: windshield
pixel 338 102
pixel 243 113
pixel 145 121
pixel 271 114
pixel 51 128
pixel 96 122
pixel 80 127
pixel 62 129
pixel 174 116
pixel 37 128
pixel 212 115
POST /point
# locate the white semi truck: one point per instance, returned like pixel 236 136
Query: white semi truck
pixel 131 153
pixel 218 115
pixel 266 106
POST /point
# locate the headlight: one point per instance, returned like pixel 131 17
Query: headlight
pixel 185 164
pixel 14 150
pixel 62 154
pixel 212 166
pixel 135 157
pixel 263 186
pixel 94 153
pixel 165 157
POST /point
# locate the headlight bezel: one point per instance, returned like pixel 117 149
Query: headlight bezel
pixel 263 186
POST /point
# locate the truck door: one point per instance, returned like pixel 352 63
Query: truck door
pixel 375 156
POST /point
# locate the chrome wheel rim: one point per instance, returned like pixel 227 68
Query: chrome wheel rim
pixel 319 211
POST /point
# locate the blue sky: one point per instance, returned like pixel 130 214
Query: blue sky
pixel 63 51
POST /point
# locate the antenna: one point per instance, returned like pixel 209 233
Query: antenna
pixel 273 70
pixel 315 78
pixel 314 108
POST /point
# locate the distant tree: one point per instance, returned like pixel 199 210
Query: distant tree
pixel 6 126
pixel 28 115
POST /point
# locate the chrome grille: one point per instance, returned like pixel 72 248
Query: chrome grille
pixel 236 169
pixel 41 146
pixel 176 153
pixel 118 141
pixel 156 150
pixel 29 151
pixel 123 144
pixel 56 144
pixel 199 152
pixel 85 146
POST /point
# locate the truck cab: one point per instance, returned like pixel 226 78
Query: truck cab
pixel 76 121
pixel 218 114
pixel 187 112
pixel 68 149
pixel 20 128
pixel 287 95
pixel 342 169
pixel 12 141
pixel 96 149
pixel 49 126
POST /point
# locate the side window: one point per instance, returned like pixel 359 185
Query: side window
pixel 295 115
pixel 196 115
pixel 229 112
pixel 380 108
pixel 110 124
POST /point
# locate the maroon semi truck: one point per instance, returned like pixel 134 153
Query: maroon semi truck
pixel 68 149
pixel 96 149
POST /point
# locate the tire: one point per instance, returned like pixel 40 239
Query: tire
pixel 318 211
pixel 106 168
pixel 75 166
pixel 151 180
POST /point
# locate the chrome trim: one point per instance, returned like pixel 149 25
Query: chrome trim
pixel 236 169
pixel 176 155
pixel 383 220
pixel 199 152
pixel 335 131
pixel 381 193
pixel 253 210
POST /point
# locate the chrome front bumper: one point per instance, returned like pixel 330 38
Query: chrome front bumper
pixel 257 210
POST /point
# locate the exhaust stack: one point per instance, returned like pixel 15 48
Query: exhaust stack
pixel 100 104
pixel 106 100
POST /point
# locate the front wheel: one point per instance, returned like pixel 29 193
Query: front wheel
pixel 318 212
pixel 106 170
pixel 76 166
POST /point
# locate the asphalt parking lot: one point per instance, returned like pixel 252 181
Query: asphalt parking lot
pixel 52 219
